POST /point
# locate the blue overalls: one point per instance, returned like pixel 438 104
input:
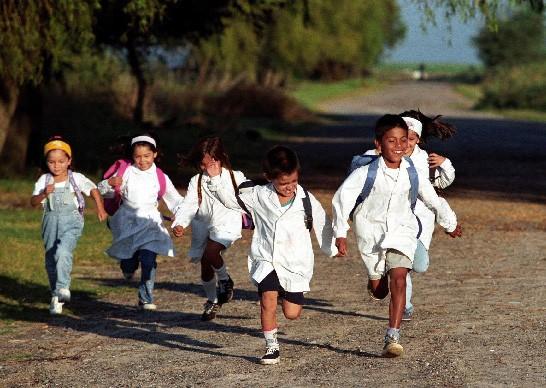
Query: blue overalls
pixel 62 226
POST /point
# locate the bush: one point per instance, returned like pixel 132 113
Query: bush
pixel 516 87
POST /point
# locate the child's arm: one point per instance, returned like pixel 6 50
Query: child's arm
pixel 225 196
pixel 172 198
pixel 344 200
pixel 444 215
pixel 186 209
pixel 101 213
pixel 41 191
pixel 444 173
pixel 323 228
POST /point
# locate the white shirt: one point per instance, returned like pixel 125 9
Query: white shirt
pixel 384 220
pixel 84 184
pixel 138 224
pixel 281 241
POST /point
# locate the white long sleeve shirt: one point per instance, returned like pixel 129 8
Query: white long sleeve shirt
pixel 384 220
pixel 281 241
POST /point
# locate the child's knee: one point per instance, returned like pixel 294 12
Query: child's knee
pixel 292 315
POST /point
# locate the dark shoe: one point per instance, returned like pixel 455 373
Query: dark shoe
pixel 382 291
pixel 211 309
pixel 392 347
pixel 271 356
pixel 225 290
pixel 128 275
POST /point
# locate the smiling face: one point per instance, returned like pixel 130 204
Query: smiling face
pixel 58 163
pixel 143 157
pixel 413 140
pixel 393 145
pixel 285 185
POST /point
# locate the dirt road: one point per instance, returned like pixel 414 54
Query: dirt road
pixel 480 309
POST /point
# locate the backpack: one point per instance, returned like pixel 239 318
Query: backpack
pixel 111 205
pixel 305 200
pixel 373 162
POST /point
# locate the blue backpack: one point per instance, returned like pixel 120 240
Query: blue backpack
pixel 372 161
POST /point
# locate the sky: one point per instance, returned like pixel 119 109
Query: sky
pixel 436 44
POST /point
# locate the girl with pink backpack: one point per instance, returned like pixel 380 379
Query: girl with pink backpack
pixel 132 189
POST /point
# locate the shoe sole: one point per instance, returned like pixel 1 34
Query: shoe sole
pixel 393 350
pixel 270 362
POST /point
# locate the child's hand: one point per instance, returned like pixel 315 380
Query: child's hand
pixel 435 160
pixel 214 168
pixel 101 213
pixel 341 244
pixel 115 181
pixel 458 232
pixel 50 187
pixel 178 231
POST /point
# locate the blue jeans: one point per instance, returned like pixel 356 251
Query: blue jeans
pixel 148 265
pixel 420 265
pixel 62 226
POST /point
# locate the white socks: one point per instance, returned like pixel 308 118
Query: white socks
pixel 221 273
pixel 210 290
pixel 271 338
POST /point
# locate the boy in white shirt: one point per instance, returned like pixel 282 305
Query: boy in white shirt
pixel 385 226
pixel 281 257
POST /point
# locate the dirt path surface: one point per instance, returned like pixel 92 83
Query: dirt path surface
pixel 480 309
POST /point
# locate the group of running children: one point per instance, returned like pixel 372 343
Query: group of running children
pixel 389 195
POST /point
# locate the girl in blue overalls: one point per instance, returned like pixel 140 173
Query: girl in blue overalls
pixel 60 193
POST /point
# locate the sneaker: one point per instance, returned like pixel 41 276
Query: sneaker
pixel 225 290
pixel 408 314
pixel 392 347
pixel 383 289
pixel 211 309
pixel 55 307
pixel 146 306
pixel 271 356
pixel 64 295
pixel 128 275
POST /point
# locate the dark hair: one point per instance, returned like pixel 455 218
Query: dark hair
pixel 388 122
pixel 431 127
pixel 280 160
pixel 208 145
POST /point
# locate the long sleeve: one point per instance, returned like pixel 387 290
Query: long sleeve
pixel 188 208
pixel 345 199
pixel 444 175
pixel 444 215
pixel 227 198
pixel 322 227
pixel 172 197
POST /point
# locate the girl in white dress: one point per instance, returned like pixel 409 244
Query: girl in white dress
pixel 137 226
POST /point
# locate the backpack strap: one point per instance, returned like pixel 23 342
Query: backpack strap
pixel 162 182
pixel 77 191
pixel 244 185
pixel 361 160
pixel 373 166
pixel 308 210
pixel 414 190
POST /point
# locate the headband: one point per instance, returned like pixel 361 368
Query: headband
pixel 57 145
pixel 414 124
pixel 146 139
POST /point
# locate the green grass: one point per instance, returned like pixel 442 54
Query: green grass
pixel 311 93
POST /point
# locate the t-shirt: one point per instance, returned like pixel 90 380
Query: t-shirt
pixel 83 183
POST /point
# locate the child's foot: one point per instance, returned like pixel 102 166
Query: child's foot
pixel 55 307
pixel 211 309
pixel 382 291
pixel 271 356
pixel 146 306
pixel 64 295
pixel 408 314
pixel 392 347
pixel 128 275
pixel 225 290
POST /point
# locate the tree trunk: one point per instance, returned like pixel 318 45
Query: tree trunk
pixel 133 57
pixel 25 121
pixel 9 94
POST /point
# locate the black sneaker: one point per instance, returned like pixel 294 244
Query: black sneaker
pixel 382 291
pixel 211 309
pixel 271 356
pixel 225 290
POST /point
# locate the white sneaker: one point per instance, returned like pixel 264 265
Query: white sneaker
pixel 64 295
pixel 55 307
pixel 146 306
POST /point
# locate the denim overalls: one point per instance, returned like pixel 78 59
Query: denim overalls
pixel 62 226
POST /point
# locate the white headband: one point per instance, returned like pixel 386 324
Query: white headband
pixel 414 124
pixel 146 139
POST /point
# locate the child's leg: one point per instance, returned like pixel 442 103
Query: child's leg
pixel 398 296
pixel 147 279
pixel 129 266
pixel 268 310
pixel 70 229
pixel 408 309
pixel 213 256
pixel 420 265
pixel 379 288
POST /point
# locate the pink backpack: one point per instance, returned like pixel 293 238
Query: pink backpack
pixel 111 205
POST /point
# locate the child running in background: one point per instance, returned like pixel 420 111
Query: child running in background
pixel 281 255
pixel 385 226
pixel 60 193
pixel 439 170
pixel 214 227
pixel 138 234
